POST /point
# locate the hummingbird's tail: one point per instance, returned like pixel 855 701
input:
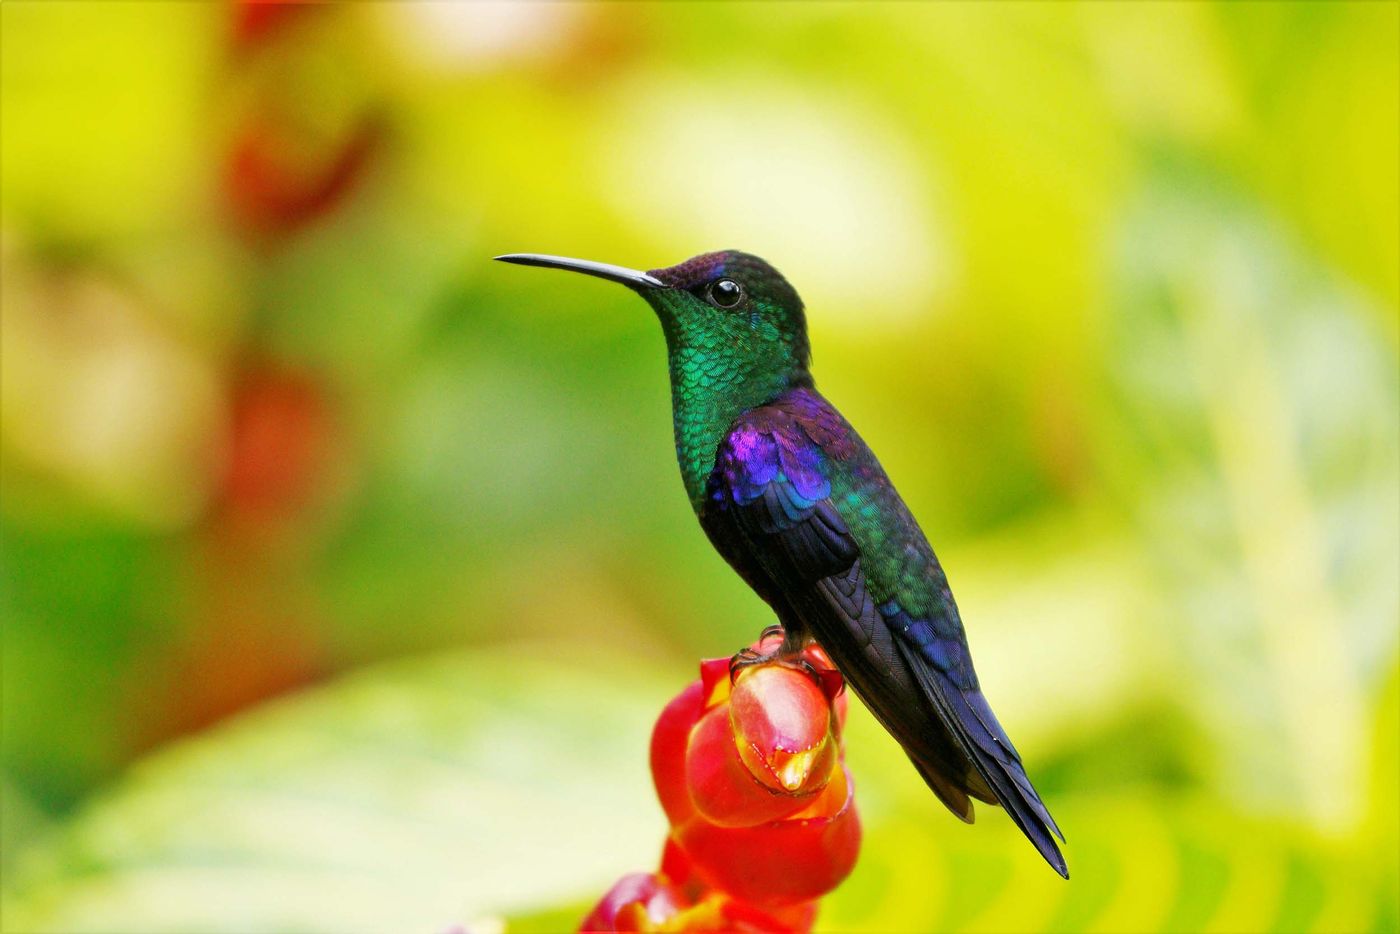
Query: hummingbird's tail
pixel 953 797
pixel 995 774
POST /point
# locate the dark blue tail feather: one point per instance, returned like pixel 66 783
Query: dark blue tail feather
pixel 952 691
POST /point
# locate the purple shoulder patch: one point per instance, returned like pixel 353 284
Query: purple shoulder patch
pixel 772 445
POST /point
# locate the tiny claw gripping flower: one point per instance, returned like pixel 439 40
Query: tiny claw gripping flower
pixel 750 775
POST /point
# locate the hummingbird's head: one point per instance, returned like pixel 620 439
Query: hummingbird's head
pixel 737 298
pixel 730 309
pixel 735 335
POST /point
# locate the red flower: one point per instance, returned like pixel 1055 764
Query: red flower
pixel 763 820
pixel 255 20
pixel 281 440
pixel 276 181
pixel 643 901
pixel 639 901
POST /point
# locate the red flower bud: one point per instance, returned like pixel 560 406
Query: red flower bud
pixel 644 901
pixel 784 861
pixel 744 917
pixel 783 729
pixel 762 811
pixel 668 743
pixel 639 901
pixel 722 786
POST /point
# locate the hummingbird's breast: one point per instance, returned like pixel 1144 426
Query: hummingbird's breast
pixel 712 385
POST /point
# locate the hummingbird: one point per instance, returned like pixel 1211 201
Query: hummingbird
pixel 798 505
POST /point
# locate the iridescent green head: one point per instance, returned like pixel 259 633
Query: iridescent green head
pixel 730 299
pixel 735 335
pixel 739 299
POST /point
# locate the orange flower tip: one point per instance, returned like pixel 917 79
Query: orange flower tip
pixel 793 773
pixel 714 679
pixel 836 796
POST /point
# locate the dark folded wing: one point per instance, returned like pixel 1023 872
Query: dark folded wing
pixel 769 497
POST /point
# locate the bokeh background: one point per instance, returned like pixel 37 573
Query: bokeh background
pixel 344 570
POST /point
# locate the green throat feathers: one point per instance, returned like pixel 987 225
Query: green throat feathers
pixel 723 363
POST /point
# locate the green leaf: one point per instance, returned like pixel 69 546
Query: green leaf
pixel 466 788
pixel 412 796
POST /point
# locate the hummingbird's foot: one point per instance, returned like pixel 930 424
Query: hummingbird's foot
pixel 772 632
pixel 785 653
pixel 748 658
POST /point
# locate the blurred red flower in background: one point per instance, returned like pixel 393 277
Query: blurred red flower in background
pixel 255 20
pixel 280 441
pixel 750 773
pixel 276 181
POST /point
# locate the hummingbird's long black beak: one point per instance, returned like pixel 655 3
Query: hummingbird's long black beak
pixel 628 277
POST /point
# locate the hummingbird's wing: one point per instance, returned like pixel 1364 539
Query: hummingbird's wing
pixel 770 500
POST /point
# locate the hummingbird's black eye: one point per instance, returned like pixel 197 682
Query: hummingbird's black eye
pixel 724 293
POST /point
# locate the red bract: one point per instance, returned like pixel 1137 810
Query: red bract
pixel 668 745
pixel 764 754
pixel 255 20
pixel 277 182
pixel 640 901
pixel 281 434
pixel 644 901
pixel 763 820
pixel 783 729
pixel 780 862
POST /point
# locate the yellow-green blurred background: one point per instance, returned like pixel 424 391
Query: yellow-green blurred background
pixel 344 570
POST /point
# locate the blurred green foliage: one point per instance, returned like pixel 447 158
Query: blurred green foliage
pixel 1111 288
pixel 451 790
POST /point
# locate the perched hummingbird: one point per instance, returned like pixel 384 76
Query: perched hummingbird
pixel 796 502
